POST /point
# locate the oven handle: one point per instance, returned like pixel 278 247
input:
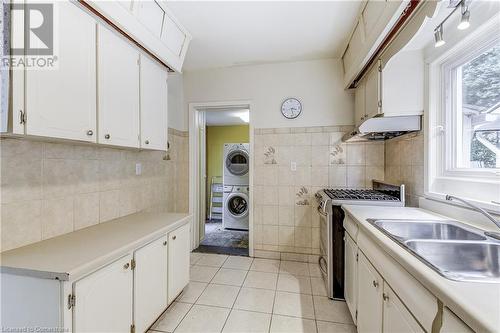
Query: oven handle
pixel 320 261
pixel 320 211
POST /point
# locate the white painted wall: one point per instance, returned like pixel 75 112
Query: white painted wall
pixel 177 116
pixel 317 84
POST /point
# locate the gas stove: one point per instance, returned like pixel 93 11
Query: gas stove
pixel 350 194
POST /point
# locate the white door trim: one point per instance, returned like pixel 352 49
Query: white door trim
pixel 194 165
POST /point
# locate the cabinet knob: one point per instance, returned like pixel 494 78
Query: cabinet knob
pixel 375 283
pixel 174 237
pixel 126 266
pixel 90 132
pixel 107 136
pixel 385 297
pixel 146 142
pixel 164 243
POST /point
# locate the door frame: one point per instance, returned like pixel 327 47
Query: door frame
pixel 197 194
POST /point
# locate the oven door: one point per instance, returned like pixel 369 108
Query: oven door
pixel 326 246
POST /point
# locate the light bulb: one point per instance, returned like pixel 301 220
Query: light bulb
pixel 438 37
pixel 464 20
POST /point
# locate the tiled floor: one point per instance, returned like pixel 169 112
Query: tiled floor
pixel 241 294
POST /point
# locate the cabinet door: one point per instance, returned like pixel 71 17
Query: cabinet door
pixel 179 248
pixel 370 285
pixel 397 318
pixel 60 102
pixel 453 324
pixel 372 92
pixel 153 104
pixel 104 299
pixel 118 84
pixel 351 276
pixel 150 283
pixel 150 14
pixel 359 103
pixel 173 36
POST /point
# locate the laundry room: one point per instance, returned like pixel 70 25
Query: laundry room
pixel 227 156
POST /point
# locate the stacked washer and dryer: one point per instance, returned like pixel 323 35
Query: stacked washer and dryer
pixel 236 164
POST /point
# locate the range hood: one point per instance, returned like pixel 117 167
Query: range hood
pixel 383 128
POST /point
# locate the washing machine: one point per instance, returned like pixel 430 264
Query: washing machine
pixel 236 162
pixel 236 206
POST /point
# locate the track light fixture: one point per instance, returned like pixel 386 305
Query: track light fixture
pixel 464 23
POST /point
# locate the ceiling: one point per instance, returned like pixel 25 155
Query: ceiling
pixel 231 33
pixel 227 117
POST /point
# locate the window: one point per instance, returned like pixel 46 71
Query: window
pixel 475 91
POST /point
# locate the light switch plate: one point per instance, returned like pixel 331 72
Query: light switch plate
pixel 138 169
pixel 293 166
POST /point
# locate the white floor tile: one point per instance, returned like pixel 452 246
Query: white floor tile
pixel 265 265
pixel 238 262
pixel 195 256
pixel 328 310
pixel 260 300
pixel 326 327
pixel 294 267
pixel 203 319
pixel 314 270
pixel 294 284
pixel 295 305
pixel 218 295
pixel 172 317
pixel 318 286
pixel 214 260
pixel 240 321
pixel 191 293
pixel 232 277
pixel 261 280
pixel 202 273
pixel 282 324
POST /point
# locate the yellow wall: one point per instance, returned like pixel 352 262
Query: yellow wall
pixel 215 139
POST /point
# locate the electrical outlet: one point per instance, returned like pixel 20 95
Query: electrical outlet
pixel 138 169
pixel 293 166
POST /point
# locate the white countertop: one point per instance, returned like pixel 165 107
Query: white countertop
pixel 477 304
pixel 69 256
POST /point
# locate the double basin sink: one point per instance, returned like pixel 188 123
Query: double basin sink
pixel 454 250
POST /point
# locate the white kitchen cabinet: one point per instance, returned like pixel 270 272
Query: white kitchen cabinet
pixel 397 318
pixel 173 36
pixel 153 104
pixel 150 14
pixel 118 89
pixel 453 324
pixel 370 290
pixel 179 246
pixel 103 299
pixel 351 276
pixel 359 103
pixel 150 283
pixel 373 102
pixel 60 102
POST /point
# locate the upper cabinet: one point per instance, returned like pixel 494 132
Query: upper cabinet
pixel 375 22
pixel 61 102
pixel 153 104
pixel 118 85
pixel 151 24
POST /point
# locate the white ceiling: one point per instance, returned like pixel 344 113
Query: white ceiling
pixel 227 117
pixel 230 33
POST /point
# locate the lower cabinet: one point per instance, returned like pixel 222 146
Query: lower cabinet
pixel 179 246
pixel 397 318
pixel 103 299
pixel 370 290
pixel 150 283
pixel 351 276
pixel 453 324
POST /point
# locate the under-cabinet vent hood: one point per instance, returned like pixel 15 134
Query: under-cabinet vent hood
pixel 382 128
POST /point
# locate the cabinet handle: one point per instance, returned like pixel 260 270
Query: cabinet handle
pixel 165 243
pixel 146 142
pixel 90 132
pixel 126 266
pixel 375 284
pixel 385 297
pixel 174 237
pixel 107 136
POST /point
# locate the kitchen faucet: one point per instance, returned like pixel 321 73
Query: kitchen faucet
pixel 492 234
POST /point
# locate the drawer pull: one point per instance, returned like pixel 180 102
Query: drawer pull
pixel 174 237
pixel 385 296
pixel 164 243
pixel 375 284
pixel 126 266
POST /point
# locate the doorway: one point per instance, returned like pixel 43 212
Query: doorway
pixel 221 163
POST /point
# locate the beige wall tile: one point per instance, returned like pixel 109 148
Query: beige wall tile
pixel 320 155
pixel 270 215
pixel 86 210
pixel 270 235
pixel 286 236
pixel 57 217
pixel 356 154
pixel 302 216
pixel 356 177
pixel 21 224
pixel 338 176
pixel 21 179
pixel 109 205
pixel 375 154
pixel 286 215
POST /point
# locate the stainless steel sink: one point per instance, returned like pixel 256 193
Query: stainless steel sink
pixel 454 250
pixel 459 260
pixel 443 230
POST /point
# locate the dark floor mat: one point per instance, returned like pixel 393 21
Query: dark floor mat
pixel 234 251
pixel 216 235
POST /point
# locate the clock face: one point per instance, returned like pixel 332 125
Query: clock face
pixel 291 108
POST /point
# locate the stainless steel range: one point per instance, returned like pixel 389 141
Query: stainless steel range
pixel 332 231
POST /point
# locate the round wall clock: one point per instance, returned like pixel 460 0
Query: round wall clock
pixel 291 108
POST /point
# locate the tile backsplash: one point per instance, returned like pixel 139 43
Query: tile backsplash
pixel 290 165
pixel 49 189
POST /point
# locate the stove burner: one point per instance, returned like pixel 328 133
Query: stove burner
pixel 350 194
